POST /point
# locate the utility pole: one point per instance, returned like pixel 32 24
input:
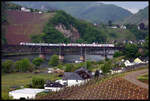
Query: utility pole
pixel 85 58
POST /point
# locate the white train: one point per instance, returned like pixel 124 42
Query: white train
pixel 63 44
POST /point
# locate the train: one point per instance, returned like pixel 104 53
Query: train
pixel 69 44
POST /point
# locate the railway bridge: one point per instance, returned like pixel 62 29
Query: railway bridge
pixel 62 49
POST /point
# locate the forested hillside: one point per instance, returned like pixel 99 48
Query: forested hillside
pixel 87 32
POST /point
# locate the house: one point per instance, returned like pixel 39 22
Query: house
pixel 84 73
pixel 53 86
pixel 24 9
pixel 27 93
pixel 128 63
pixel 40 12
pixel 71 78
pixel 138 61
pixel 123 27
pixel 114 27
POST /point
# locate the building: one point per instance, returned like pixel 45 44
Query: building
pixel 25 10
pixel 114 27
pixel 123 27
pixel 27 93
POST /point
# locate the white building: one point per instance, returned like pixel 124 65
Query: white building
pixel 25 10
pixel 123 27
pixel 128 63
pixel 27 93
pixel 114 27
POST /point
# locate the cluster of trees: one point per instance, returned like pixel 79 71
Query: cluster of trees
pixel 88 33
pixel 22 65
pixel 132 50
pixel 139 34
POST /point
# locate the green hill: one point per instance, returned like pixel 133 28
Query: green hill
pixel 139 17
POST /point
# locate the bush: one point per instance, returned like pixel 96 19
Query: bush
pixel 69 68
pixel 117 54
pixel 106 67
pixel 7 66
pixel 23 65
pixel 88 65
pixel 37 61
pixel 38 82
pixel 54 61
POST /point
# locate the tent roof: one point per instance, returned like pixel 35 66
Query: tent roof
pixel 27 91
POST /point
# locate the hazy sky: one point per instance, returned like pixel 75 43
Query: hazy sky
pixel 131 6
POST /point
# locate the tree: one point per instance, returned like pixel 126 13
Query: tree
pixel 106 67
pixel 117 54
pixel 54 61
pixel 38 82
pixel 109 23
pixel 7 66
pixel 68 68
pixel 22 65
pixel 37 61
pixel 130 50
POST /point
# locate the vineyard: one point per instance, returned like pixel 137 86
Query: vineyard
pixel 115 88
pixel 22 24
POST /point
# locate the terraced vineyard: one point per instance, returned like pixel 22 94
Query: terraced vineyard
pixel 115 88
pixel 23 24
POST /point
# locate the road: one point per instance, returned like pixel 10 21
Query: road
pixel 132 77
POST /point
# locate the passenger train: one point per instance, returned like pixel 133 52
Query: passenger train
pixel 63 44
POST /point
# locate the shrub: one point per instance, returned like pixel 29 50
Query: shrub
pixel 38 82
pixel 7 66
pixel 37 61
pixel 106 67
pixel 54 61
pixel 117 54
pixel 69 68
pixel 23 65
pixel 88 65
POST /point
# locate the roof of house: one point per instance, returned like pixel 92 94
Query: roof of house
pixel 137 60
pixel 82 69
pixel 71 76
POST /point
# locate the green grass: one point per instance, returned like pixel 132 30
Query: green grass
pixel 20 79
pixel 143 78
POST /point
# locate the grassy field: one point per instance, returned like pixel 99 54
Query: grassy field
pixel 143 78
pixel 20 79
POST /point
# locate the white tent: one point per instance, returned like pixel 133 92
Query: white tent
pixel 27 93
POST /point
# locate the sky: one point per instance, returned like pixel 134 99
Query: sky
pixel 133 7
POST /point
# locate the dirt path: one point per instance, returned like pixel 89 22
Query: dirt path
pixel 132 77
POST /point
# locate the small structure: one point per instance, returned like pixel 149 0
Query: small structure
pixel 116 70
pixel 27 93
pixel 114 27
pixel 24 9
pixel 53 86
pixel 123 27
pixel 40 12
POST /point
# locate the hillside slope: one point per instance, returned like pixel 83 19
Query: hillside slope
pixel 23 24
pixel 90 11
pixel 139 17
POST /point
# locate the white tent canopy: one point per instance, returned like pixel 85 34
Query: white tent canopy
pixel 27 93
